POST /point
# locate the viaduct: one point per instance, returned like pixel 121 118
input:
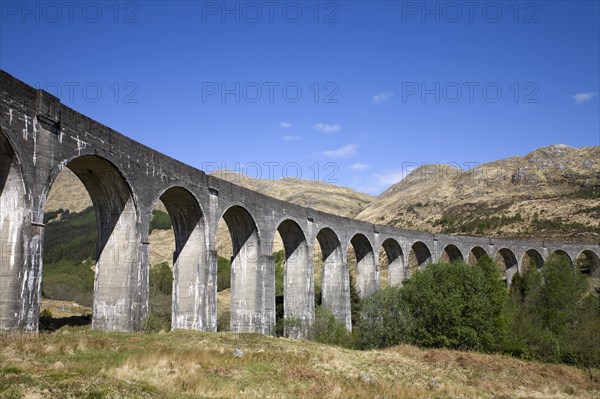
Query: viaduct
pixel 39 137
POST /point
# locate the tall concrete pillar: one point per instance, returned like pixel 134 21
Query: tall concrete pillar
pixel 20 248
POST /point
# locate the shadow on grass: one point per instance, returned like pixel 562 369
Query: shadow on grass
pixel 55 323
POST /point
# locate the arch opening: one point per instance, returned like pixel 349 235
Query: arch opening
pixel 366 271
pixel 507 264
pixel 70 253
pixel 12 257
pixel 531 258
pixel 418 257
pixel 451 253
pixel 247 309
pixel 335 280
pixel 179 272
pixel 475 254
pixel 589 263
pixel 120 290
pixel 298 289
pixel 395 262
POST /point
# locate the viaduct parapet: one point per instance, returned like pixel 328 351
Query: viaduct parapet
pixel 39 137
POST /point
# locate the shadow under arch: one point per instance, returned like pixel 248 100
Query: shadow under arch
pixel 395 259
pixel 190 268
pixel 418 257
pixel 451 253
pixel 335 278
pixel 475 254
pixel 588 263
pixel 367 273
pixel 507 264
pixel 530 258
pixel 298 290
pixel 247 312
pixel 14 266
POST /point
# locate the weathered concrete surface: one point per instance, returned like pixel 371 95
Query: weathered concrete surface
pixel 39 137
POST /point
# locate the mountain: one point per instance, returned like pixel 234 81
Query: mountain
pixel 552 192
pixel 338 200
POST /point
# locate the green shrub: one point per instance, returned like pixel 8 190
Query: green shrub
pixel 553 317
pixel 74 237
pixel 223 273
pixel 160 220
pixel 457 306
pixel 160 298
pixel 384 320
pixel 67 280
pixel 328 330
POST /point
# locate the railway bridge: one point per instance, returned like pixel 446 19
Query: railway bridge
pixel 39 137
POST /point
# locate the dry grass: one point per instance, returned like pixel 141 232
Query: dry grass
pixel 76 362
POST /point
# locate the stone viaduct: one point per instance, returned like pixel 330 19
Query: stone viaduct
pixel 39 137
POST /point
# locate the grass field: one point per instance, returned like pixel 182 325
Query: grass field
pixel 75 362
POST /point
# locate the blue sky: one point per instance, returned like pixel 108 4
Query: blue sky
pixel 351 92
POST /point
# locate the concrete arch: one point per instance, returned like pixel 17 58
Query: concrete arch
pixel 419 257
pixel 475 254
pixel 588 263
pixel 13 262
pixel 367 273
pixel 248 278
pixel 531 257
pixel 298 287
pixel 335 280
pixel 451 253
pixel 395 256
pixel 508 264
pixel 120 302
pixel 190 266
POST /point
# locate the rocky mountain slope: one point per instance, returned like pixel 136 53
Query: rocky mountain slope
pixel 324 197
pixel 552 192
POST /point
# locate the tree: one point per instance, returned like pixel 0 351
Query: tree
pixel 457 306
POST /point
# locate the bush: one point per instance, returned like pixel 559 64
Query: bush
pixel 74 237
pixel 160 220
pixel 553 317
pixel 327 329
pixel 223 273
pixel 68 280
pixel 160 298
pixel 456 306
pixel 384 320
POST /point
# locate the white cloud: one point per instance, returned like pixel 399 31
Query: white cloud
pixel 344 151
pixel 382 180
pixel 382 97
pixel 290 138
pixel 360 166
pixel 285 125
pixel 327 128
pixel 580 98
pixel 387 177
